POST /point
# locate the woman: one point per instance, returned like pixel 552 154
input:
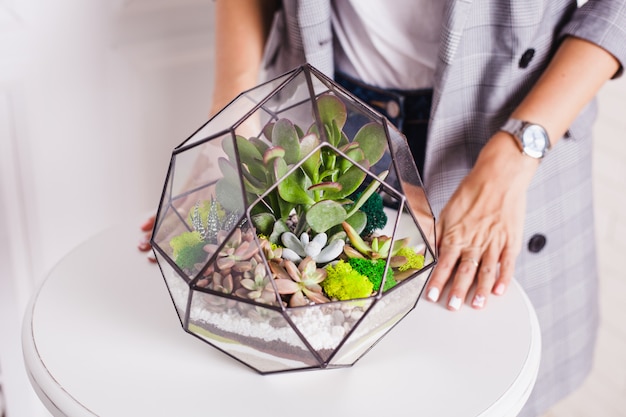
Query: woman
pixel 507 160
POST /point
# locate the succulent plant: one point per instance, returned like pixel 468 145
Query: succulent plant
pixel 301 283
pixel 272 252
pixel 221 283
pixel 315 177
pixel 379 247
pixel 209 217
pixel 257 285
pixel 236 252
pixel 318 248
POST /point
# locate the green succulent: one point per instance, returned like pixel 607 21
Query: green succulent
pixel 379 247
pixel 316 172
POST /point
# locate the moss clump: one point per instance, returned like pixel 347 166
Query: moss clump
pixel 374 270
pixel 376 217
pixel 191 255
pixel 344 283
pixel 413 260
pixel 185 240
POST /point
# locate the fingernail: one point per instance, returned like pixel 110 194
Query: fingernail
pixel 151 257
pixel 455 302
pixel 144 245
pixel 433 294
pixel 479 301
pixel 147 225
pixel 499 290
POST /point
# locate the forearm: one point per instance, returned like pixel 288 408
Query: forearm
pixel 241 29
pixel 572 79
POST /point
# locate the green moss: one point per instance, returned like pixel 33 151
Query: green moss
pixel 191 255
pixel 376 217
pixel 414 260
pixel 344 283
pixel 374 270
pixel 184 240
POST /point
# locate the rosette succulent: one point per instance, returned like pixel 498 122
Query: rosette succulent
pixel 301 283
pixel 318 248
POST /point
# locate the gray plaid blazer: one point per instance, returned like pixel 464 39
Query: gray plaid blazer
pixel 491 53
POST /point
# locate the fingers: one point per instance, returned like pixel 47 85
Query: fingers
pixel 507 269
pixel 489 270
pixel 148 224
pixel 486 277
pixel 144 243
pixel 443 271
pixel 463 279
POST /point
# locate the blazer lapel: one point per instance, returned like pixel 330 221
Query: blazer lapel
pixel 455 17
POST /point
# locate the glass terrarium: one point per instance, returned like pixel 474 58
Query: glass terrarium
pixel 293 231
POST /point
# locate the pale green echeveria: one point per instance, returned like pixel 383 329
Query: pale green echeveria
pixel 319 248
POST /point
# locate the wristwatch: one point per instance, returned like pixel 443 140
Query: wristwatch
pixel 531 138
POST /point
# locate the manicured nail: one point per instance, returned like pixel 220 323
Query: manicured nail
pixel 455 302
pixel 499 290
pixel 147 225
pixel 150 256
pixel 479 301
pixel 144 245
pixel 433 294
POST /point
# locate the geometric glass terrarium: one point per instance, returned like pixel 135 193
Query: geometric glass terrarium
pixel 293 231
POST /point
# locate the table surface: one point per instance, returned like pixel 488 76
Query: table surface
pixel 102 338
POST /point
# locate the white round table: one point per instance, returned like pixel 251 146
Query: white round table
pixel 102 338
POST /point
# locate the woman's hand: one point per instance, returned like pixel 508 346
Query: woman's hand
pixel 480 228
pixel 144 243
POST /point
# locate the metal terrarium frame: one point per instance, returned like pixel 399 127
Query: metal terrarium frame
pixel 365 329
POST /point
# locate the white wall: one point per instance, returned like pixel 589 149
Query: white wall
pixel 93 97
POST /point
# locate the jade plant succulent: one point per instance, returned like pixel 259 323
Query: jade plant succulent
pixel 271 233
pixel 315 182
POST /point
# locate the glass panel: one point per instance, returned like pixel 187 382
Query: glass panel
pixel 206 199
pixel 176 285
pixel 300 114
pixel 325 326
pixel 236 110
pixel 295 92
pixel 259 337
pixel 411 183
pixel 269 90
pixel 320 82
pixel 410 238
pixel 388 311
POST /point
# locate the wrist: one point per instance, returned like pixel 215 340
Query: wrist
pixel 502 156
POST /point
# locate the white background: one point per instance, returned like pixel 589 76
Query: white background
pixel 93 97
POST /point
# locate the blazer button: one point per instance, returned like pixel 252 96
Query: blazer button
pixel 526 58
pixel 393 109
pixel 536 243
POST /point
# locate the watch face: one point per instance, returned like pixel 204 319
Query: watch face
pixel 535 141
